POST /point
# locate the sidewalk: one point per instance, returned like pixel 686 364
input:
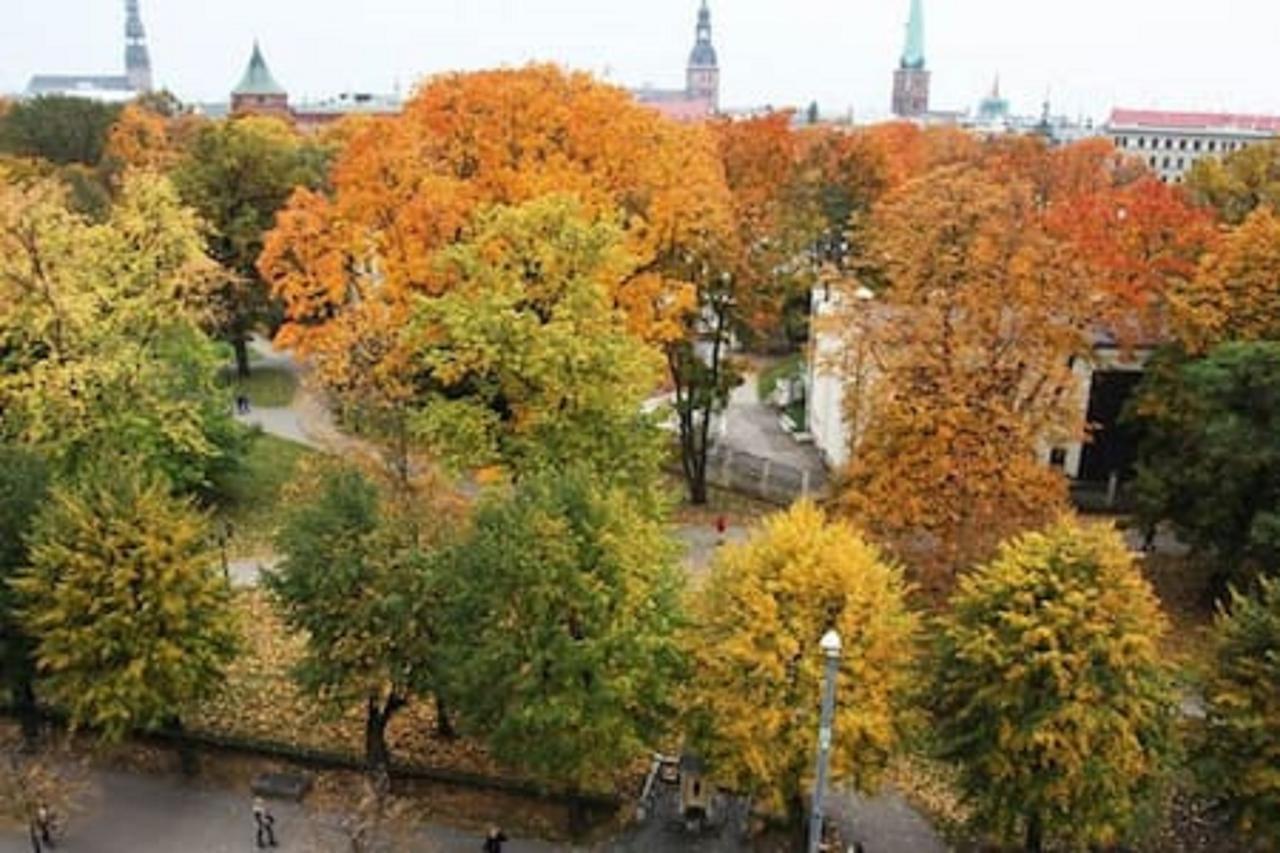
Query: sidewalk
pixel 132 813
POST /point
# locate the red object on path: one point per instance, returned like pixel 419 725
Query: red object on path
pixel 721 525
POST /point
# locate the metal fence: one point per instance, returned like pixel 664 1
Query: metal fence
pixel 766 479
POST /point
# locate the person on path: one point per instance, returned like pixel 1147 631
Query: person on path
pixel 265 822
pixel 41 829
pixel 721 526
pixel 496 838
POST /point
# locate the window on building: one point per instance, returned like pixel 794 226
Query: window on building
pixel 1153 161
pixel 1168 144
pixel 1182 144
pixel 1181 164
pixel 1165 164
pixel 1197 145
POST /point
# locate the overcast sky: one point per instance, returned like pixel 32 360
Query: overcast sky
pixel 1089 54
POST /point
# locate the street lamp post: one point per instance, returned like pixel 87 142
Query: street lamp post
pixel 831 653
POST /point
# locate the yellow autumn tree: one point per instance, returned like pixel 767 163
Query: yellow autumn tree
pixel 1049 690
pixel 970 346
pixel 752 701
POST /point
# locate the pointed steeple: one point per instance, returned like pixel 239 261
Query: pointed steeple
pixel 704 53
pixel 137 60
pixel 913 50
pixel 702 76
pixel 257 79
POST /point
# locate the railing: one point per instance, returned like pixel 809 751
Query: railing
pixel 765 479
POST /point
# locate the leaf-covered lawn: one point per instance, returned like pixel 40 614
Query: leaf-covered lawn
pixel 267 387
pixel 261 701
pixel 252 495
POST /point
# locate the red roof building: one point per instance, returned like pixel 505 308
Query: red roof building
pixel 1171 143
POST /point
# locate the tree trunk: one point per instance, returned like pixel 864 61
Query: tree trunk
pixel 444 726
pixel 379 714
pixel 698 489
pixel 28 712
pixel 1035 834
pixel 188 761
pixel 376 754
pixel 241 345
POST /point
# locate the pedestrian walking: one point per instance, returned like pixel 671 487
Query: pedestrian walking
pixel 242 404
pixel 494 841
pixel 265 822
pixel 721 526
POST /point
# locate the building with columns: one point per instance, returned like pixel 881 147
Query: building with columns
pixel 135 80
pixel 911 79
pixel 700 98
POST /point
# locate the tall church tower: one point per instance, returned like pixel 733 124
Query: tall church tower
pixel 911 79
pixel 703 75
pixel 137 61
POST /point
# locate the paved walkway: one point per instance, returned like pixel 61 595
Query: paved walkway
pixel 752 426
pixel 132 813
pixel 135 813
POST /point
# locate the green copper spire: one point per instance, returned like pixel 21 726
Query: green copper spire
pixel 257 79
pixel 913 52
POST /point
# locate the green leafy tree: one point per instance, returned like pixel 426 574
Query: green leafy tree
pixel 1049 690
pixel 131 618
pixel 1209 455
pixel 101 348
pixel 752 697
pixel 24 482
pixel 57 128
pixel 562 609
pixel 355 577
pixel 238 174
pixel 526 361
pixel 1243 698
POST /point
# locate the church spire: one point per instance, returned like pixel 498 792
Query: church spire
pixel 913 50
pixel 703 74
pixel 137 60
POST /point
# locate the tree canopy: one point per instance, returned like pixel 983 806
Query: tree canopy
pixel 563 604
pixel 751 699
pixel 237 175
pixel 1049 690
pixel 528 362
pixel 1209 460
pixel 57 128
pixel 101 347
pixel 1243 724
pixel 130 616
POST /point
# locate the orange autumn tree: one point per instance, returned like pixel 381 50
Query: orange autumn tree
pixel 348 264
pixel 1235 294
pixel 972 338
pixel 1135 240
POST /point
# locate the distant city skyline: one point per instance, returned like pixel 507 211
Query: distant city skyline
pixel 1088 55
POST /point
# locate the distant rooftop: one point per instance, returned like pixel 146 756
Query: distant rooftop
pixel 1194 121
pixel 257 79
pixel 55 84
pixel 354 102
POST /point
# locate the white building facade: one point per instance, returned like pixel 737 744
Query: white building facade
pixel 1170 143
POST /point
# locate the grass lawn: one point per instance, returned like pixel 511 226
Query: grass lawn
pixel 267 387
pixel 252 493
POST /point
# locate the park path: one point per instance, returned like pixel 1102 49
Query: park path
pixel 147 813
pixel 136 813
